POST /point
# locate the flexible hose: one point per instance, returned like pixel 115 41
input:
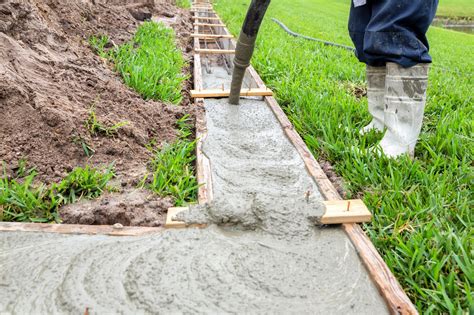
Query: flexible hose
pixel 286 29
pixel 246 45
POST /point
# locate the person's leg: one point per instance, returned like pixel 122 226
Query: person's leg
pixel 397 32
pixel 359 18
pixel 396 35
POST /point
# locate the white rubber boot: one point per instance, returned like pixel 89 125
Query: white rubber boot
pixel 375 97
pixel 405 98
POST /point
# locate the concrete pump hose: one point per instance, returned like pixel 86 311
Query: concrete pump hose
pixel 246 45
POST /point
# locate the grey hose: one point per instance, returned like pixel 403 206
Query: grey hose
pixel 286 29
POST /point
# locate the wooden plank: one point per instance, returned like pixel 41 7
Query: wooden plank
pixel 212 18
pixel 203 165
pixel 202 10
pixel 169 218
pixel 211 36
pixel 345 211
pixel 214 51
pixel 226 92
pixel 112 230
pixel 209 24
pixel 172 224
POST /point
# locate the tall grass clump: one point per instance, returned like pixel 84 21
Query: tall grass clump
pixel 24 199
pixel 185 4
pixel 151 63
pixel 172 167
pixel 423 208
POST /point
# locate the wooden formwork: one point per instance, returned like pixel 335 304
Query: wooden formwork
pixel 388 286
pixel 396 299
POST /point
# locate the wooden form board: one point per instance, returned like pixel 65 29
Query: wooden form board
pixel 211 36
pixel 78 229
pixel 396 299
pixel 212 18
pixel 226 92
pixel 208 24
pixel 214 51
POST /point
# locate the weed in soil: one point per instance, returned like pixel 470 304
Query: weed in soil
pixel 95 127
pixel 82 142
pixel 172 170
pixel 98 44
pixel 24 200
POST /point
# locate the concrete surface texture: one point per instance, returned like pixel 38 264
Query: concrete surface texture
pixel 272 259
pixel 259 179
pixel 213 270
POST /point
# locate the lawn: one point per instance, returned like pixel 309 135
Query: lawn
pixel 456 8
pixel 422 208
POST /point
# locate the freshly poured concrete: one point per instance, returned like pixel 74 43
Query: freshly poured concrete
pixel 183 271
pixel 219 78
pixel 259 180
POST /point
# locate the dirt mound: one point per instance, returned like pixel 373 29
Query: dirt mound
pixel 135 208
pixel 50 78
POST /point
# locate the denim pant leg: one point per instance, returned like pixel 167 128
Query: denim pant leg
pixel 359 18
pixel 396 31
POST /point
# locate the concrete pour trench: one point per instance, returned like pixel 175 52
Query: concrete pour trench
pixel 268 258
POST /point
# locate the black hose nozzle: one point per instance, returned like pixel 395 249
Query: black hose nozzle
pixel 246 45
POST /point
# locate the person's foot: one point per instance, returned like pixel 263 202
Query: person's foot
pixel 375 98
pixel 405 98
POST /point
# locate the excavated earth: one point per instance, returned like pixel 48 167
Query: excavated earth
pixel 50 78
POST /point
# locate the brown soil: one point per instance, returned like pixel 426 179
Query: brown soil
pixel 336 180
pixel 49 79
pixel 129 208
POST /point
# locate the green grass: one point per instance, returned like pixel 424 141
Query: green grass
pixel 172 168
pixel 423 208
pixel 23 199
pixel 151 63
pixel 98 44
pixel 456 8
pixel 185 4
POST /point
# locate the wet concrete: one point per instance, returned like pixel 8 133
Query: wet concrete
pixel 211 270
pixel 259 180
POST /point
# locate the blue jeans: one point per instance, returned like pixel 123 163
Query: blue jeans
pixel 392 31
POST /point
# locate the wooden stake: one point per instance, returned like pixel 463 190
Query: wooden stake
pixel 172 224
pixel 226 93
pixel 337 212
